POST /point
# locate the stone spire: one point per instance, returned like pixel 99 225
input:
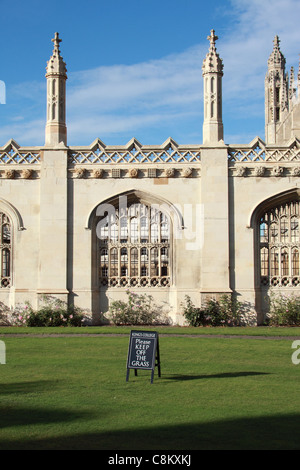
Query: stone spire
pixel 56 65
pixel 276 93
pixel 212 71
pixel 212 62
pixel 276 59
pixel 56 74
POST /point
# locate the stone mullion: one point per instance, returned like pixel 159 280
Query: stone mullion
pixel 290 244
pixel 109 261
pixel 128 261
pixel 139 260
pixel 149 262
pixel 119 262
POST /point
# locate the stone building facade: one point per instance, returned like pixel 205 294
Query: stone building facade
pixel 84 224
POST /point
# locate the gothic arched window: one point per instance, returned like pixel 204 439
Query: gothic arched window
pixel 280 245
pixel 134 247
pixel 5 249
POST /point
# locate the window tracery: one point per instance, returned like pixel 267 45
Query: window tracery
pixel 5 247
pixel 135 247
pixel 280 246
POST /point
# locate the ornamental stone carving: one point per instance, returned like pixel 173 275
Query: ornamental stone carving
pixel 80 172
pixel 27 174
pixel 133 173
pixel 9 174
pixel 259 171
pixel 277 171
pixel 187 172
pixel 98 173
pixel 296 171
pixel 169 172
pixel 241 171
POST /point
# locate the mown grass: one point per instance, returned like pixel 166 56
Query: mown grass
pixel 214 393
pixel 178 330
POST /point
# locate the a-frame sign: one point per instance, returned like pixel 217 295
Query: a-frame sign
pixel 143 352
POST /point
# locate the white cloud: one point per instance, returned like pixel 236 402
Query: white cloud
pixel 151 92
pixel 111 101
pixel 171 79
pixel 246 51
pixel 25 132
pixel 128 98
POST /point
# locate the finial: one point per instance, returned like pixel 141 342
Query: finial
pixel 276 41
pixel 212 62
pixel 56 63
pixel 212 38
pixel 56 40
pixel 276 58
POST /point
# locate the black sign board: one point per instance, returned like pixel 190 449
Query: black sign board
pixel 143 352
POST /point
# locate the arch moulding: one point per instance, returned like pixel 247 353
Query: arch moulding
pixel 144 198
pixel 11 211
pixel 271 201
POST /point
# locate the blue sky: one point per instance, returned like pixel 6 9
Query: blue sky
pixel 134 66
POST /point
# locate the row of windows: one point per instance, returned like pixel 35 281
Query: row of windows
pixel 135 244
pixel 134 262
pixel 139 224
pixel 280 261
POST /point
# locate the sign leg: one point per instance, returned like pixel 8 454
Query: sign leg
pixel 158 359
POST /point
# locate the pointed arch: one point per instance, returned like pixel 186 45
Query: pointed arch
pixel 10 221
pixel 276 222
pixel 172 210
pixel 133 236
pixel 269 202
pixel 13 213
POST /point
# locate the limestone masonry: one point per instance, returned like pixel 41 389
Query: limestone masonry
pixel 84 224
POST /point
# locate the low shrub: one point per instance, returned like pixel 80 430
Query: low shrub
pixel 54 312
pixel 227 311
pixel 195 316
pixel 8 317
pixel 284 310
pixel 138 310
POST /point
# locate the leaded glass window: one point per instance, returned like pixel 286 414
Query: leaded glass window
pixel 279 245
pixel 5 247
pixel 134 247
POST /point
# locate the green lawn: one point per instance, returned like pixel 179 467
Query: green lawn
pixel 119 330
pixel 214 393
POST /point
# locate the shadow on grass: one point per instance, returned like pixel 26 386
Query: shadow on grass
pixel 225 375
pixel 13 415
pixel 27 387
pixel 279 432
